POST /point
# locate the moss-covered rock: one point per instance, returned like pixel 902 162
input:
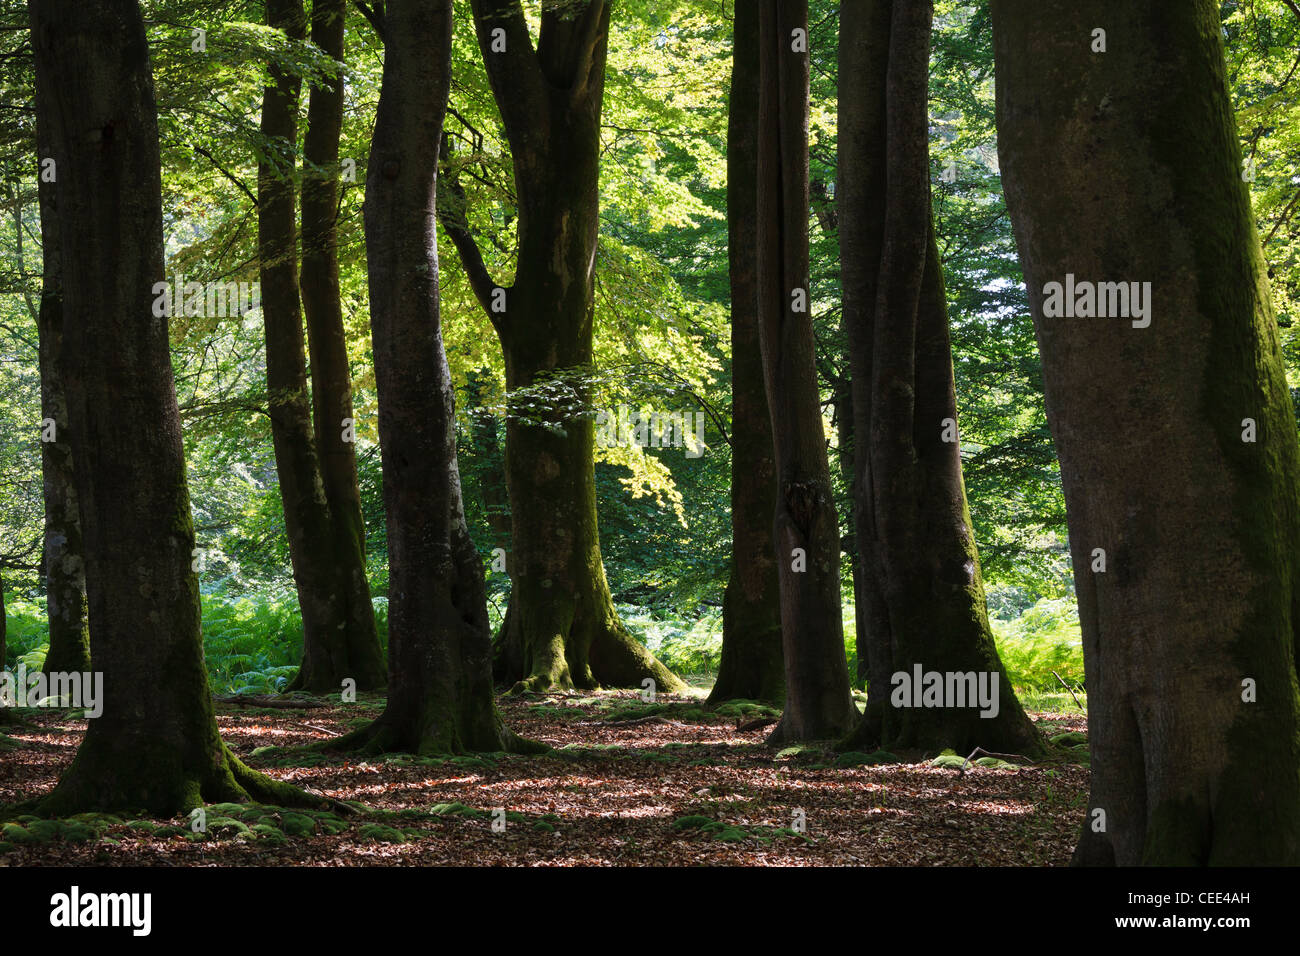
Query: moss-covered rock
pixel 225 828
pixel 265 833
pixel 16 834
pixel 994 763
pixel 297 824
pixel 949 761
pixel 1069 739
pixel 378 833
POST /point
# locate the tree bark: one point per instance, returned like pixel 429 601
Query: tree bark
pixel 561 628
pixel 333 649
pixel 1125 166
pixel 331 377
pixel 806 531
pixel 156 745
pixel 440 694
pixel 925 601
pixel 65 573
pixel 752 665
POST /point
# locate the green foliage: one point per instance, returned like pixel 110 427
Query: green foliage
pixel 1045 638
pixel 28 634
pixel 253 645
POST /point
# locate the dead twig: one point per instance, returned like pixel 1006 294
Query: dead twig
pixel 1070 689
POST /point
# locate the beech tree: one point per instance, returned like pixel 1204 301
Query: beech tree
pixel 339 638
pixel 752 665
pixel 1166 396
pixel 921 580
pixel 440 693
pixel 156 744
pixel 561 628
pixel 65 572
pixel 355 652
pixel 806 532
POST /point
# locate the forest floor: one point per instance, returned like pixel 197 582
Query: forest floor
pixel 628 783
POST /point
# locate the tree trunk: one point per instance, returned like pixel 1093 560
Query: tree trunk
pixel 925 596
pixel 561 628
pixel 491 464
pixel 440 694
pixel 155 747
pixel 358 640
pixel 65 572
pixel 806 531
pixel 332 650
pixel 1125 166
pixel 752 665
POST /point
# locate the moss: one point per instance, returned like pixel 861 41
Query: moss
pixel 993 763
pixel 455 810
pixel 949 761
pixel 297 824
pixel 78 833
pixel 265 833
pixel 225 828
pixel 331 825
pixel 543 826
pixel 1069 739
pixel 44 831
pixel 101 821
pixel 16 834
pixel 746 708
pixel 474 763
pixel 691 822
pixel 378 833
pixel 799 752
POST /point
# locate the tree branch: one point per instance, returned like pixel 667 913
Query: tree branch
pixel 373 14
pixel 513 70
pixel 453 219
pixel 229 175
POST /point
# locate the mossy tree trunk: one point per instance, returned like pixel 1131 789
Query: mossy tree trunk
pixel 1125 166
pixel 818 702
pixel 65 572
pixel 752 665
pixel 155 747
pixel 333 648
pixel 925 595
pixel 561 628
pixel 354 649
pixel 440 693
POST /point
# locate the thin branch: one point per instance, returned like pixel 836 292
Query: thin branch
pixel 225 172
